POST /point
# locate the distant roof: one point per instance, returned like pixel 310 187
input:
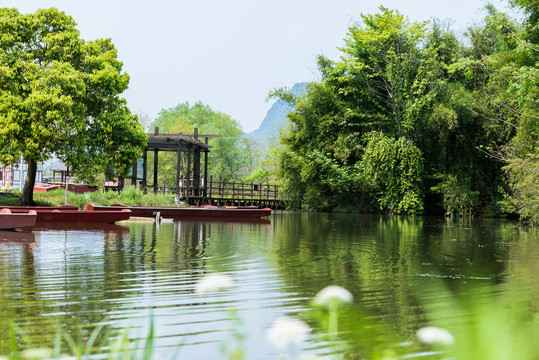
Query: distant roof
pixel 59 167
pixel 170 141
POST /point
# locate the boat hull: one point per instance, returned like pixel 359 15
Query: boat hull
pixel 10 220
pixel 70 214
pixel 202 212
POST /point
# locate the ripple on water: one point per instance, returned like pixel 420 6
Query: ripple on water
pixel 130 276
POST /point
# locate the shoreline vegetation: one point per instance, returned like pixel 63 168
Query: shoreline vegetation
pixel 129 196
pixel 414 119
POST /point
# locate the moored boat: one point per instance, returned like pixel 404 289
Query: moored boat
pixel 229 212
pixel 10 220
pixel 71 214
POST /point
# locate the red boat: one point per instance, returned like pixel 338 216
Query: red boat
pixel 71 214
pixel 9 220
pixel 202 212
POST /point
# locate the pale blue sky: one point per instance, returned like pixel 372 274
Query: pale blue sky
pixel 230 54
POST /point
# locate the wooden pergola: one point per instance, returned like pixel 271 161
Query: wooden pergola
pixel 62 170
pixel 188 144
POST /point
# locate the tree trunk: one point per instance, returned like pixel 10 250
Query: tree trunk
pixel 27 198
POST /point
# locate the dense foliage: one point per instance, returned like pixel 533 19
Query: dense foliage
pixel 230 155
pixel 59 95
pixel 413 120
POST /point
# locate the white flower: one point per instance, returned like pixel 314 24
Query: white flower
pixel 37 353
pixel 333 293
pixel 213 282
pixel 287 331
pixel 434 335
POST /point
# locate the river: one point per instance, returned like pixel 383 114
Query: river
pixel 129 277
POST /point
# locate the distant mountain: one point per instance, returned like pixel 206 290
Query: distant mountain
pixel 276 117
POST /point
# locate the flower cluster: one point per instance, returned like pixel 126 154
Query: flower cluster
pixel 286 331
pixel 213 282
pixel 333 294
pixel 432 335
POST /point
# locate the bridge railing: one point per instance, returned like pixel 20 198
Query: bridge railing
pixel 229 190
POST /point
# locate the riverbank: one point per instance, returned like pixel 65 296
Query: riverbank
pixel 129 196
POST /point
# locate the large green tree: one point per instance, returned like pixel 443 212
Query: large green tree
pixel 384 83
pixel 404 121
pixel 508 66
pixel 60 96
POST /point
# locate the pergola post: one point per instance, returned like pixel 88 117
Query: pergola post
pixel 134 176
pixel 206 169
pixel 144 168
pixel 178 167
pixel 188 180
pixel 155 163
pixel 196 166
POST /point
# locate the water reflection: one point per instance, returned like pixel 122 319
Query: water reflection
pixel 124 274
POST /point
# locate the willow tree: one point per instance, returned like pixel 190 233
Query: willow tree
pixel 60 96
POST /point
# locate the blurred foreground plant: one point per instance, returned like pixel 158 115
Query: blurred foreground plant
pixel 465 325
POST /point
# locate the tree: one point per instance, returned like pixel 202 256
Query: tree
pixel 59 96
pixel 406 119
pixel 385 82
pixel 513 89
pixel 230 155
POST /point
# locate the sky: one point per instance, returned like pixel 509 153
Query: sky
pixel 230 54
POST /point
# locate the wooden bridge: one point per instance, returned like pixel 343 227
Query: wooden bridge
pixel 233 194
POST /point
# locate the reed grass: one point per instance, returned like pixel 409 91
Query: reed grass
pixel 101 343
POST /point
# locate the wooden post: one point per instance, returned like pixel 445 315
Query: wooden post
pixel 206 169
pixel 144 169
pixel 134 175
pixel 196 166
pixel 155 161
pixel 211 184
pixel 188 180
pixel 178 166
pixel 121 182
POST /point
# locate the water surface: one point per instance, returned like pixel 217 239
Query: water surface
pixel 126 274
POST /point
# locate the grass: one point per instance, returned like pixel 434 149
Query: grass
pixel 99 344
pixel 10 198
pixel 129 196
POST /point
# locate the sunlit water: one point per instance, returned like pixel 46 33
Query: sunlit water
pixel 136 273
